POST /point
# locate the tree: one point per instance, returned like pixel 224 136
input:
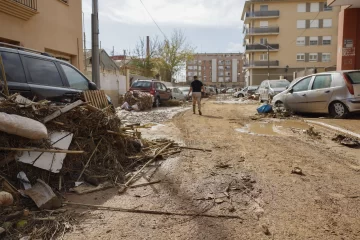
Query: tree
pixel 142 63
pixel 173 55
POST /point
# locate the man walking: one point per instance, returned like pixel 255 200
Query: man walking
pixel 196 88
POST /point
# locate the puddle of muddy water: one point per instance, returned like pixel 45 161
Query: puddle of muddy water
pixel 273 128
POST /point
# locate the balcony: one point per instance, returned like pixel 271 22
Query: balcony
pixel 259 31
pixel 261 47
pixel 261 64
pixel 23 9
pixel 261 15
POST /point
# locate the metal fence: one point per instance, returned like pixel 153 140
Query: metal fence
pixel 273 13
pixel 28 3
pixel 262 47
pixel 258 30
pixel 262 64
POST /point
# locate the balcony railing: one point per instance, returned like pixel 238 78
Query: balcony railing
pixel 262 30
pixel 254 47
pixel 260 14
pixel 28 3
pixel 261 64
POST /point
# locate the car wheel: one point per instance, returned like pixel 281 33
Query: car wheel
pixel 338 110
pixel 279 104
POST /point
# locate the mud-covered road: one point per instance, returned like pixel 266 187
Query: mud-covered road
pixel 247 174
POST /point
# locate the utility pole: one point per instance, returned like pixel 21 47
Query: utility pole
pixel 268 58
pixel 95 43
pixel 85 51
pixel 147 46
pixel 113 51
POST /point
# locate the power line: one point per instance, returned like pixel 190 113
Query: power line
pixel 153 19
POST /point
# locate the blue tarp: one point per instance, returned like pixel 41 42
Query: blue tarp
pixel 266 108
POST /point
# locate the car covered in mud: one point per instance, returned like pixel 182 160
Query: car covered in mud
pixel 336 93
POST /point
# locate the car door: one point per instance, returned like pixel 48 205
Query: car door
pixel 167 93
pixel 45 80
pixel 15 75
pixel 160 90
pixel 296 97
pixel 320 94
pixel 74 79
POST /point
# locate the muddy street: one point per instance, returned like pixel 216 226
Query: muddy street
pixel 282 181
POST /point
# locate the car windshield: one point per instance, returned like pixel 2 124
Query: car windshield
pixel 253 87
pixel 185 89
pixel 279 84
pixel 354 76
pixel 141 84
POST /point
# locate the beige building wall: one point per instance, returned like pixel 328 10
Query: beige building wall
pixel 55 27
pixel 288 33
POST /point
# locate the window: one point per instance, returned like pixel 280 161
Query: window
pixel 301 24
pixel 313 57
pixel 314 7
pixel 13 68
pixel 300 57
pixel 264 8
pixel 221 73
pixel 327 23
pixel 326 40
pixel 322 81
pixel 327 8
pixel 227 67
pixel 221 62
pixel 300 41
pixel 221 79
pixel 221 67
pixel 75 79
pixel 263 40
pixel 228 62
pixel 160 87
pixel 263 57
pixel 326 57
pixel 314 40
pixel 43 72
pixel 227 74
pixel 314 23
pixel 264 24
pixel 303 85
pixel 301 7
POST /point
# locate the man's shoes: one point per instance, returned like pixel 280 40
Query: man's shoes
pixel 200 113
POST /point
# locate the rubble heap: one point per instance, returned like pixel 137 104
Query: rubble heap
pixel 143 100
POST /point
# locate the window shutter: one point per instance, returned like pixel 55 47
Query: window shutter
pixel 319 57
pixel 321 7
pixel 307 7
pixel 320 42
pixel 306 57
pixel 307 41
pixel 321 23
pixel 307 25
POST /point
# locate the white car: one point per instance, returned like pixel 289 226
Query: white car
pixel 176 93
pixel 230 90
pixel 185 91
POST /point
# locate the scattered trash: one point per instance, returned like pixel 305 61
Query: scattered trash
pixel 21 224
pixel 223 165
pixel 297 171
pixel 347 141
pixel 49 161
pixel 266 108
pixel 143 100
pixel 24 180
pixel 87 188
pixel 22 126
pixel 219 201
pixel 265 230
pixel 43 196
pixel 6 199
pixel 312 133
pixel 2 230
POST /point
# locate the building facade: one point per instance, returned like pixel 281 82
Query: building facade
pixel 217 69
pixel 52 26
pixel 348 35
pixel 283 37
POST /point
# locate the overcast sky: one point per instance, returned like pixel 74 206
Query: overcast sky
pixel 209 25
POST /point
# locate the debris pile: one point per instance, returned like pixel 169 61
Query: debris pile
pixel 84 145
pixel 346 141
pixel 143 100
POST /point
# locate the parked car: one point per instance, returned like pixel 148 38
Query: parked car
pixel 155 88
pixel 336 93
pixel 246 91
pixel 185 91
pixel 39 76
pixel 176 93
pixel 230 90
pixel 269 88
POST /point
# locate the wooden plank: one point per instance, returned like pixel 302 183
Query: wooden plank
pixel 63 110
pixel 5 87
pixel 41 150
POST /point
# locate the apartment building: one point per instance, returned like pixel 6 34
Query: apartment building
pixel 348 34
pixel 286 36
pixel 52 26
pixel 217 69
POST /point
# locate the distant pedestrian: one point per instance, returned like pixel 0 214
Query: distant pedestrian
pixel 197 87
pixel 217 92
